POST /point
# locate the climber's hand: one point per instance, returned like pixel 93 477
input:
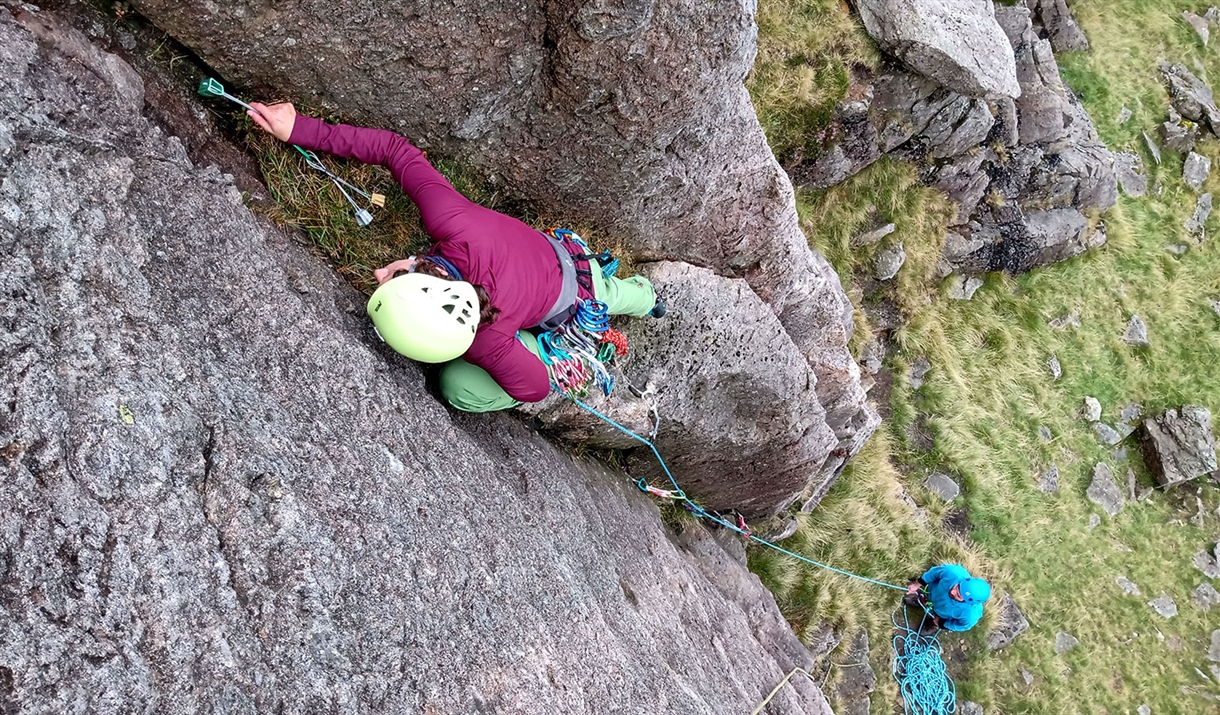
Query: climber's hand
pixel 384 274
pixel 277 119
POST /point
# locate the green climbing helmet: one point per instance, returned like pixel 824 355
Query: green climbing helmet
pixel 426 318
pixel 975 590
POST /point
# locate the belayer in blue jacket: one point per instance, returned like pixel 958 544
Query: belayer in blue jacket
pixel 952 597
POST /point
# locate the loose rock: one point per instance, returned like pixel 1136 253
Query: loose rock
pixel 943 486
pixel 1178 445
pixel 1064 642
pixel 1103 491
pixel 1049 482
pixel 1136 333
pixel 963 287
pixel 888 261
pixel 868 238
pixel 1010 624
pixel 1130 169
pixel 1132 412
pixel 1045 434
pixel 1199 24
pixel 919 368
pixel 1190 96
pixel 1106 434
pixel 1027 676
pixel 1178 134
pixel 1164 606
pixel 1052 364
pixel 1205 596
pixel 1195 170
pixel 1194 224
pixel 1177 249
pixel 1091 410
pixel 1127 586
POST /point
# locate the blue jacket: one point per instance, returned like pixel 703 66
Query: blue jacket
pixel 955 615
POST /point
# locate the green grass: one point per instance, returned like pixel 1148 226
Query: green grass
pixel 989 391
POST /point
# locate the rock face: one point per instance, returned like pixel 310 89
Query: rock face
pixel 855 679
pixel 220 492
pixel 955 42
pixel 762 426
pixel 1178 445
pixel 661 143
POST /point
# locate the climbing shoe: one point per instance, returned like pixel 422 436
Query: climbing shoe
pixel 658 309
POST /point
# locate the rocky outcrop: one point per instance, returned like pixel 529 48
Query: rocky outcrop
pixel 1178 445
pixel 223 495
pixel 957 43
pixel 1010 624
pixel 660 143
pixel 1060 27
pixel 738 437
pixel 1023 172
pixel 1190 96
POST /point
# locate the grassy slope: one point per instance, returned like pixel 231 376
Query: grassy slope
pixel 989 391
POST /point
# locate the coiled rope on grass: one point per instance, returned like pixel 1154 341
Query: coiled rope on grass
pixel 919 669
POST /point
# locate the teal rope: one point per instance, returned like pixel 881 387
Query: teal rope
pixel 701 512
pixel 920 672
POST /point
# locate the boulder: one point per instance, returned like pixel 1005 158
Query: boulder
pixel 856 148
pixel 888 261
pixel 1127 586
pixel 943 486
pixel 1195 224
pixel 1091 409
pixel 1205 596
pixel 957 43
pixel 1136 333
pixel 1010 624
pixel 258 507
pixel 1199 24
pixel 661 143
pixel 1190 96
pixel 1164 606
pixel 1103 490
pixel 1195 170
pixel 1179 134
pixel 1178 445
pixel 1056 18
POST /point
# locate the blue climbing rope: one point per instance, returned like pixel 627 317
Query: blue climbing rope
pixel 919 670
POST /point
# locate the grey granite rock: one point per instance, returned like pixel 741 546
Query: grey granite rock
pixel 1194 225
pixel 1103 490
pixel 967 707
pixel 955 42
pixel 1207 563
pixel 1106 434
pixel 962 287
pixel 943 486
pixel 1178 445
pixel 1199 24
pixel 919 368
pixel 888 261
pixel 1124 116
pixel 868 238
pixel 1091 409
pixel 1131 177
pixel 1179 134
pixel 1045 434
pixel 1131 413
pixel 1056 17
pixel 1205 596
pixel 1127 586
pixel 1052 364
pixel 1213 650
pixel 1064 642
pixel 259 508
pixel 854 678
pixel 1164 606
pixel 1094 521
pixel 1136 333
pixel 1049 481
pixel 1190 96
pixel 1195 170
pixel 1009 624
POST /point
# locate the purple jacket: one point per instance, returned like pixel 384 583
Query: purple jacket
pixel 513 262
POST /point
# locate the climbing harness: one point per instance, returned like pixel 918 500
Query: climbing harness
pixel 919 669
pixel 212 88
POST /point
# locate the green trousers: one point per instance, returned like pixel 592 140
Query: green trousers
pixel 469 388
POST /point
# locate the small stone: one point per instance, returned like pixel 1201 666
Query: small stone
pixel 1064 642
pixel 1071 320
pixel 1091 410
pixel 868 238
pixel 1212 14
pixel 919 369
pixel 1049 482
pixel 1136 334
pixel 127 41
pixel 1127 586
pixel 1045 434
pixel 1106 434
pixel 1203 209
pixel 1027 676
pixel 1200 25
pixel 1176 248
pixel 1206 563
pixel 943 486
pixel 1205 596
pixel 1153 148
pixel 1131 178
pixel 1145 493
pixel 1132 412
pixel 1094 521
pixel 1195 170
pixel 1103 491
pixel 1216 307
pixel 1213 652
pixel 1164 606
pixel 969 708
pixel 963 287
pixel 1143 710
pixel 1124 115
pixel 1052 363
pixel 889 261
pixel 1131 484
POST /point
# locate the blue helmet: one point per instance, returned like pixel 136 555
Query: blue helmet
pixel 975 590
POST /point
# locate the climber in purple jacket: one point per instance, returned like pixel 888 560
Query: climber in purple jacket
pixel 516 270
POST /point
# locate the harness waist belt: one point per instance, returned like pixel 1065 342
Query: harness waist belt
pixel 562 310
